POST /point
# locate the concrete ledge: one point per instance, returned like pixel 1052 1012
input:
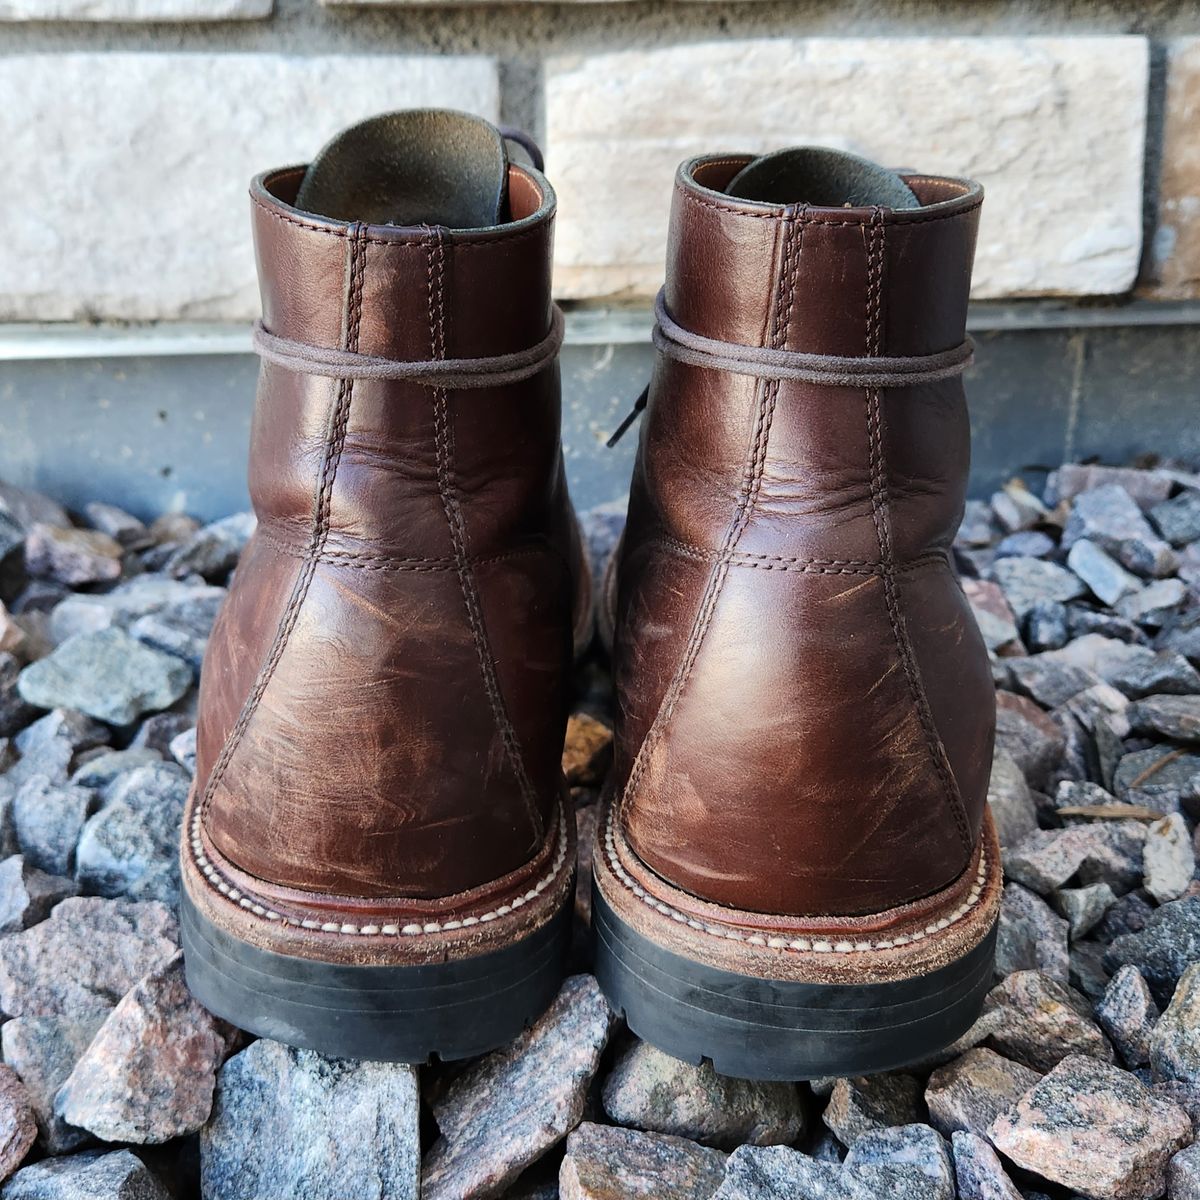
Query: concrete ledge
pixel 48 341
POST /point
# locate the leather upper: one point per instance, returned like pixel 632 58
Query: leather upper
pixel 805 706
pixel 384 697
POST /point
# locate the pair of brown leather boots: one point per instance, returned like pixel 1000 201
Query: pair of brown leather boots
pixel 795 874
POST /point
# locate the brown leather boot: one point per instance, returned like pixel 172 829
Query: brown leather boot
pixel 377 860
pixel 796 876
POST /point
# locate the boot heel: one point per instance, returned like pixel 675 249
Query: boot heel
pixel 778 1029
pixel 404 1013
pixel 761 1000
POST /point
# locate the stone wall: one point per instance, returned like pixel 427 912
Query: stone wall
pixel 130 128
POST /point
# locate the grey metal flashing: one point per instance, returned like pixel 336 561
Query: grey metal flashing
pixel 586 326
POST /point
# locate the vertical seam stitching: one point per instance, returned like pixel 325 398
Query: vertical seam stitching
pixel 335 438
pixel 793 236
pixel 443 445
pixel 880 514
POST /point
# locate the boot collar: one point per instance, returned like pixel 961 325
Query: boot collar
pixel 404 272
pixel 737 268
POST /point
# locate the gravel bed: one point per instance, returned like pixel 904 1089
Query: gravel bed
pixel 1080 1079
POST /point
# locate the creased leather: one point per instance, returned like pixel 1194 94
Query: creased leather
pixel 805 708
pixel 374 764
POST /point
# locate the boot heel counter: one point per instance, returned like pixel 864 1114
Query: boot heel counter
pixel 403 785
pixel 825 800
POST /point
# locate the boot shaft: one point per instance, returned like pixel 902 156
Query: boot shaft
pixel 407 294
pixel 828 281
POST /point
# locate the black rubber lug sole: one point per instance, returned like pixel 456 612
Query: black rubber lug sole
pixel 773 1029
pixel 410 1014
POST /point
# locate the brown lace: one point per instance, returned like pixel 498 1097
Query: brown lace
pixel 672 340
pixel 831 370
pixel 494 371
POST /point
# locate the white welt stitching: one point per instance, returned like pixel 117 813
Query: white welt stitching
pixel 819 946
pixel 330 925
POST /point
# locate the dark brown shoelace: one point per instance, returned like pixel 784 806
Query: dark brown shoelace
pixel 830 370
pixel 495 371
